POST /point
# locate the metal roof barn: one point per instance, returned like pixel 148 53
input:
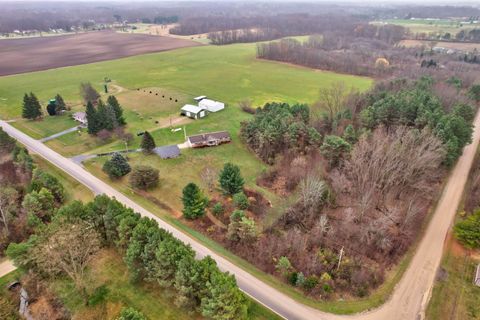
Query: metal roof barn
pixel 211 106
pixel 167 152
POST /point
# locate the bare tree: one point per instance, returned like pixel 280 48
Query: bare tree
pixel 332 98
pixel 8 197
pixel 209 176
pixel 68 250
pixel 88 92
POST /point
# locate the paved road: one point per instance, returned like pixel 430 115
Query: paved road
pixel 411 294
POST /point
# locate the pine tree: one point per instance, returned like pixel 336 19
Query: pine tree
pixel 93 125
pixel 117 166
pixel 194 201
pixel 7 143
pixel 59 104
pixel 31 107
pixel 148 143
pixel 224 301
pixel 231 180
pixel 113 102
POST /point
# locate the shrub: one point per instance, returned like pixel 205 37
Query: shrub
pixel 218 209
pixel 117 166
pixel 131 314
pixel 237 215
pixel 240 200
pixel 467 231
pixel 310 283
pixel 144 177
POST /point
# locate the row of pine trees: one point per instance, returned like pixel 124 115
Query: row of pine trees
pixel 105 116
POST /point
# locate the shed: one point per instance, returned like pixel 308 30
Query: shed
pixel 194 112
pixel 80 117
pixel 209 139
pixel 211 106
pixel 199 98
pixel 167 152
pixel 477 276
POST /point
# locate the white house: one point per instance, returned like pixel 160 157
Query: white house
pixel 194 112
pixel 80 117
pixel 211 106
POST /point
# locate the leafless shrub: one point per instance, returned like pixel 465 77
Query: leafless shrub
pixel 209 177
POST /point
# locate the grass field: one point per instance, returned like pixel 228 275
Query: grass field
pixel 430 25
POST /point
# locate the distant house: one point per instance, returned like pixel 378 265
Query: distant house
pixel 211 106
pixel 476 280
pixel 80 117
pixel 209 139
pixel 194 112
pixel 167 152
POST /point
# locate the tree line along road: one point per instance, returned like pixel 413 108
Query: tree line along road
pixel 411 295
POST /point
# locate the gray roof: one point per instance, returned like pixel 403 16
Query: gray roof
pixel 167 152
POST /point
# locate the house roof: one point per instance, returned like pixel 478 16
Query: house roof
pixel 167 152
pixel 199 98
pixel 80 115
pixel 191 108
pixel 220 135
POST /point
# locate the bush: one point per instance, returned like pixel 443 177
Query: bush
pixel 144 177
pixel 237 215
pixel 310 283
pixel 117 166
pixel 467 231
pixel 98 296
pixel 240 200
pixel 131 314
pixel 218 209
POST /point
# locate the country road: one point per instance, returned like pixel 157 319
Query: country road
pixel 409 298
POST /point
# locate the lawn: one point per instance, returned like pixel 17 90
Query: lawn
pixel 109 270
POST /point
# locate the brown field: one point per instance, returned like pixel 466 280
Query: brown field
pixel 42 53
pixel 463 46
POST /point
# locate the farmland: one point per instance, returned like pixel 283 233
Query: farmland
pixel 33 54
pixel 430 25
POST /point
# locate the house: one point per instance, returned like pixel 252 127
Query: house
pixel 199 98
pixel 80 117
pixel 211 106
pixel 194 112
pixel 476 280
pixel 167 152
pixel 209 139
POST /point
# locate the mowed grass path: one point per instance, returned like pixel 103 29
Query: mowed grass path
pixel 229 73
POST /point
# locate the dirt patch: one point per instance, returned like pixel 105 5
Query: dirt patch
pixel 34 54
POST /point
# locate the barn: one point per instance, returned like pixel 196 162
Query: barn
pixel 211 105
pixel 194 112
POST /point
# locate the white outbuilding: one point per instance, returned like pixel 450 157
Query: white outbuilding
pixel 211 105
pixel 194 112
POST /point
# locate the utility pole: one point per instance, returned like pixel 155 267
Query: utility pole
pixel 340 258
pixel 185 133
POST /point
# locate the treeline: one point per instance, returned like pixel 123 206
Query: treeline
pixel 151 254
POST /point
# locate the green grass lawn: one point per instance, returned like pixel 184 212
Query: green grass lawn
pixel 47 126
pixel 108 269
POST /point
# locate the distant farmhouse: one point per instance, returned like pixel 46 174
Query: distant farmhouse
pixel 209 139
pixel 204 107
pixel 80 117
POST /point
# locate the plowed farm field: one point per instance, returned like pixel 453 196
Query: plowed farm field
pixel 42 53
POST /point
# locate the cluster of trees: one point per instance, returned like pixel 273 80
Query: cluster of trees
pixel 152 254
pixel 419 108
pixel 472 35
pixel 107 116
pixel 31 108
pixel 468 230
pixel 57 107
pixel 277 127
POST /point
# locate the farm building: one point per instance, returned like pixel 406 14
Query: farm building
pixel 211 106
pixel 209 139
pixel 194 112
pixel 167 152
pixel 476 280
pixel 80 117
pixel 199 98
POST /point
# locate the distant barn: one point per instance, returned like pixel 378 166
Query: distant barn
pixel 209 139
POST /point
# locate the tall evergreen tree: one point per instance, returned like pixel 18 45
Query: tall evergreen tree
pixel 106 116
pixel 59 104
pixel 231 180
pixel 31 107
pixel 113 102
pixel 148 143
pixel 194 201
pixel 93 124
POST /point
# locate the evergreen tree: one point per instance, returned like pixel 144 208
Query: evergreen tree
pixel 31 107
pixel 7 143
pixel 113 102
pixel 93 125
pixel 231 180
pixel 59 104
pixel 148 144
pixel 117 166
pixel 169 253
pixel 144 177
pixel 194 202
pixel 224 301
